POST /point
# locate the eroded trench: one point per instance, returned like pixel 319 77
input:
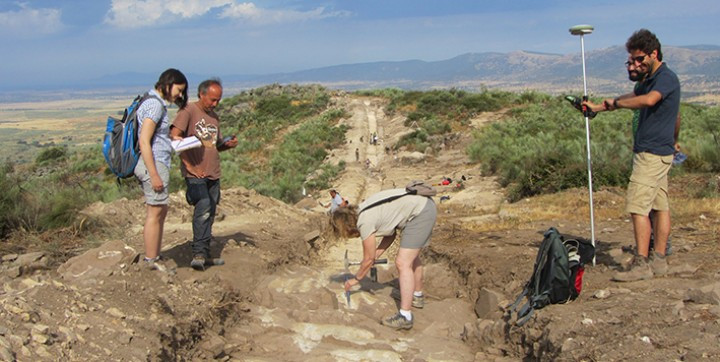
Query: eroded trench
pixel 298 311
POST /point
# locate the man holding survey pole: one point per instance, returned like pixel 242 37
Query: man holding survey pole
pixel 658 99
pixel 201 166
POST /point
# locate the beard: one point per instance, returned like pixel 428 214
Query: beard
pixel 635 76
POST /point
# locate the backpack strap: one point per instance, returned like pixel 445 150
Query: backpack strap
pixel 143 98
pixel 383 201
pixel 524 315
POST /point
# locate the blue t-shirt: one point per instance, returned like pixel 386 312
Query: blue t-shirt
pixel 656 129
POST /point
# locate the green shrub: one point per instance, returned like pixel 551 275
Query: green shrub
pixel 51 155
pixel 541 149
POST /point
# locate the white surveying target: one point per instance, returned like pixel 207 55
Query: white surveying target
pixel 581 29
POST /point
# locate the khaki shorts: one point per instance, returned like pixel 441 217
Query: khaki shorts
pixel 153 197
pixel 648 187
pixel 417 231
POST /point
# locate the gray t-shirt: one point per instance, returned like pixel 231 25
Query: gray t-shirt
pixel 385 218
pixel 656 128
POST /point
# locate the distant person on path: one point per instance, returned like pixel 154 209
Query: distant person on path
pixel 153 167
pixel 201 166
pixel 357 155
pixel 658 98
pixel 336 201
pixel 413 214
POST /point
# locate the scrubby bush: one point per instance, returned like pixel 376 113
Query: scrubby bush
pixel 50 155
pixel 541 148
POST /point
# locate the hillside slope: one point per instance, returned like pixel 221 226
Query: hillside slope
pixel 279 296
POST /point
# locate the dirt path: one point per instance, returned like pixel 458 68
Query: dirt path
pixel 302 312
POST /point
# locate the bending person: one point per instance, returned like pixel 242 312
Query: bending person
pixel 413 214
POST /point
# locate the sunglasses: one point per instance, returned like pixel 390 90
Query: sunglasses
pixel 637 60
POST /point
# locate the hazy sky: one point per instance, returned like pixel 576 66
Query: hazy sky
pixel 55 41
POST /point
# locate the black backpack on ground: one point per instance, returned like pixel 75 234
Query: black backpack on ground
pixel 557 274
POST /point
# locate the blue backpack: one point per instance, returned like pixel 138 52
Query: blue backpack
pixel 120 145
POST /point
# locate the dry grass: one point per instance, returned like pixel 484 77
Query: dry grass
pixel 609 204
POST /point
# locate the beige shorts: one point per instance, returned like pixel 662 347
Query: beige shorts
pixel 648 187
pixel 153 197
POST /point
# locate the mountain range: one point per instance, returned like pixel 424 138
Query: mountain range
pixel 698 68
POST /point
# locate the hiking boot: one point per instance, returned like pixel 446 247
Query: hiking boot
pixel 658 264
pixel 198 262
pixel 397 322
pixel 417 302
pixel 639 270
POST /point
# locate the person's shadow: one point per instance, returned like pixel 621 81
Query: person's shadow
pixel 182 254
pixel 366 284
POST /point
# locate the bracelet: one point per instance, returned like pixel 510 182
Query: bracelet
pixel 356 279
pixel 615 106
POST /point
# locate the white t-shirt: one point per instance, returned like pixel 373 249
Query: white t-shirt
pixel 335 202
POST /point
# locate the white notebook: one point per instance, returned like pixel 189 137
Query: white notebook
pixel 185 144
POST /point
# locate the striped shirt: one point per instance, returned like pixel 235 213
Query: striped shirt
pixel 154 110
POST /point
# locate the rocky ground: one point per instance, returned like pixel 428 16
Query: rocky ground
pixel 279 296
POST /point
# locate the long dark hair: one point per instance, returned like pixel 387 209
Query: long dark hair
pixel 344 221
pixel 166 81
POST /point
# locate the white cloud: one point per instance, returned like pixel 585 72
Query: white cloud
pixel 144 13
pixel 250 12
pixel 28 22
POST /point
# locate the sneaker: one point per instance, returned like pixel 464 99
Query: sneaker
pixel 397 322
pixel 658 264
pixel 639 270
pixel 417 302
pixel 214 261
pixel 198 262
pixel 153 263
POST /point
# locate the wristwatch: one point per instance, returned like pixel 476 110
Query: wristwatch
pixel 615 106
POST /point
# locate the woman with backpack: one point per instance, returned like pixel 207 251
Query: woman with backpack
pixel 153 167
pixel 381 216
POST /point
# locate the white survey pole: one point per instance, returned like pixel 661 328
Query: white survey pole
pixel 581 30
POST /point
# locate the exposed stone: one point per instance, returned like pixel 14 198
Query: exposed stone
pixel 682 269
pixel 9 257
pixel 6 354
pixel 97 262
pixel 601 294
pixel 214 345
pixel 311 236
pixel 29 258
pixel 487 303
pixel 709 294
pixel 115 313
pixel 125 338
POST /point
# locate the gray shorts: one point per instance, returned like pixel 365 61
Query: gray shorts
pixel 417 231
pixel 153 197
